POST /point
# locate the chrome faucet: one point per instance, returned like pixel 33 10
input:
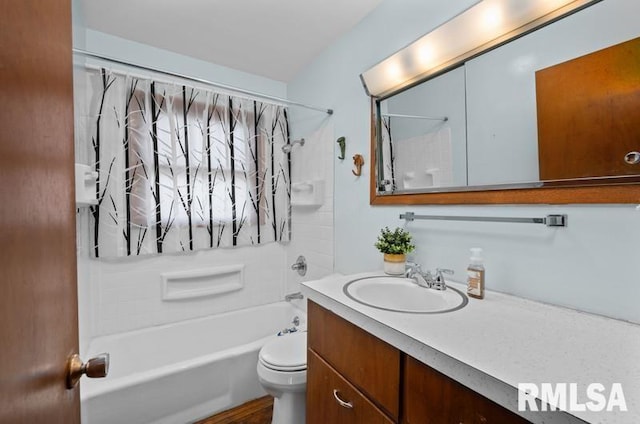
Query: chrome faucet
pixel 439 283
pixel 300 265
pixel 414 272
pixel 291 296
pixel 426 279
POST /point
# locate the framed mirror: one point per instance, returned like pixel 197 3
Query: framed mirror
pixel 552 116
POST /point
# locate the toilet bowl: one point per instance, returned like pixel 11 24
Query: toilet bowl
pixel 282 371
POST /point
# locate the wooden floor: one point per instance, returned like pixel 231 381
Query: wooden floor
pixel 257 411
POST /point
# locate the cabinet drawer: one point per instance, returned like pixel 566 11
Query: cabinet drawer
pixel 367 362
pixel 433 398
pixel 326 388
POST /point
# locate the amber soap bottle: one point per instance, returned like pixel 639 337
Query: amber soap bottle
pixel 475 274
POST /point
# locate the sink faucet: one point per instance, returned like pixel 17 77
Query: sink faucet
pixel 414 272
pixel 439 283
pixel 426 279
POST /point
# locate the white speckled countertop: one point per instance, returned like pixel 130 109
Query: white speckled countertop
pixel 493 344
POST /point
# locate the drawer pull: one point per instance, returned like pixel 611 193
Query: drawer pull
pixel 342 403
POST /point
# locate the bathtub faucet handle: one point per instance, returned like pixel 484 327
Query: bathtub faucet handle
pixel 296 321
pixel 300 266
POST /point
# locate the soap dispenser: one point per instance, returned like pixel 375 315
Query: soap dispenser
pixel 475 274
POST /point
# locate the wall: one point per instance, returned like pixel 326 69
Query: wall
pixel 84 292
pixel 590 265
pixel 122 295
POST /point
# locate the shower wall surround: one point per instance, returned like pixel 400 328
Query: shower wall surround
pixel 118 295
pixel 590 265
pixel 312 226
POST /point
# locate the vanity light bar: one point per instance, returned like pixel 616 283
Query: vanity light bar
pixel 549 220
pixel 485 25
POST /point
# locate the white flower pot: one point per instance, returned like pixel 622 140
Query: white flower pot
pixel 394 264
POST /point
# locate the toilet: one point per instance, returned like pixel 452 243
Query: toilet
pixel 282 371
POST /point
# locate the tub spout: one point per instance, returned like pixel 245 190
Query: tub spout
pixel 291 296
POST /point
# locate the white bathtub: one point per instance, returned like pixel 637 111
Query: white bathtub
pixel 181 372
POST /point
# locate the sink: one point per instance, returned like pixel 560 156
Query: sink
pixel 401 294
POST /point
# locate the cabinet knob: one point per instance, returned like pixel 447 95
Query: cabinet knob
pixel 632 158
pixel 341 402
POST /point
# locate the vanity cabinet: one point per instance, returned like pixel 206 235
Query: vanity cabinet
pixel 429 397
pixel 369 365
pixel 354 377
pixel 334 400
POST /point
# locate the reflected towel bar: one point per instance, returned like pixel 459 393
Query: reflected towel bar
pixel 430 118
pixel 549 220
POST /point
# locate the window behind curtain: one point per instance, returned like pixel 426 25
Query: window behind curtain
pixel 183 168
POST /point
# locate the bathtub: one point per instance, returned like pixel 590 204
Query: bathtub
pixel 184 371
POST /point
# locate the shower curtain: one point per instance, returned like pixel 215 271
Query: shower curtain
pixel 182 168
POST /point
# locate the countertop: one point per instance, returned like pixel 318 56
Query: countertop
pixel 495 343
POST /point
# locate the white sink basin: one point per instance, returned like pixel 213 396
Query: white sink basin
pixel 401 294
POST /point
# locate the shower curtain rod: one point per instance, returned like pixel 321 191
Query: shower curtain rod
pixel 202 81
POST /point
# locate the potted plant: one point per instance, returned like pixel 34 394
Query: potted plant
pixel 394 245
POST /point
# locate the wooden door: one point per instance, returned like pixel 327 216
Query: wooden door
pixel 589 114
pixel 38 300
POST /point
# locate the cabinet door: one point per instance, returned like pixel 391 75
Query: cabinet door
pixel 370 364
pixel 332 399
pixel 589 114
pixel 433 398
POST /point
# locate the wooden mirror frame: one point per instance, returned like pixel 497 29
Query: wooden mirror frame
pixel 597 194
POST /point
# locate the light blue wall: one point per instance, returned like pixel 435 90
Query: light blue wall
pixel 591 265
pixel 78 25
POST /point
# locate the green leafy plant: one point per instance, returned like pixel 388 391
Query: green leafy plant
pixel 395 242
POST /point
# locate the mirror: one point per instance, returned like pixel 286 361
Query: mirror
pixel 559 106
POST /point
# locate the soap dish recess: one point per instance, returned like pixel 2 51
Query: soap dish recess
pixel 307 193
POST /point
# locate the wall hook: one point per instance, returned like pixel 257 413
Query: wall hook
pixel 358 161
pixel 342 143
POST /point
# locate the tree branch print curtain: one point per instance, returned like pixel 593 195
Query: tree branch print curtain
pixel 388 158
pixel 183 168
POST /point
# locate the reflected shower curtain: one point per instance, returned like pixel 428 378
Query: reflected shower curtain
pixel 388 157
pixel 183 168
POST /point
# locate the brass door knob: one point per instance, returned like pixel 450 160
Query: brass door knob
pixel 97 367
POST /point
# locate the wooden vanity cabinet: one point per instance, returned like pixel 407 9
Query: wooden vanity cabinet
pixel 370 365
pixel 430 397
pixel 345 364
pixel 326 389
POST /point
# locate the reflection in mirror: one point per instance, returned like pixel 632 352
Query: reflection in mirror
pixel 424 136
pixel 496 104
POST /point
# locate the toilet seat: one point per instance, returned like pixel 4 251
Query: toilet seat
pixel 286 353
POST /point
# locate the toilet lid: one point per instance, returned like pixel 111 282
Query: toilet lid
pixel 286 353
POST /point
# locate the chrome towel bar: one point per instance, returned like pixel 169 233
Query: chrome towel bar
pixel 549 220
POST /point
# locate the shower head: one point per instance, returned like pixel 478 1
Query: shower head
pixel 287 147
